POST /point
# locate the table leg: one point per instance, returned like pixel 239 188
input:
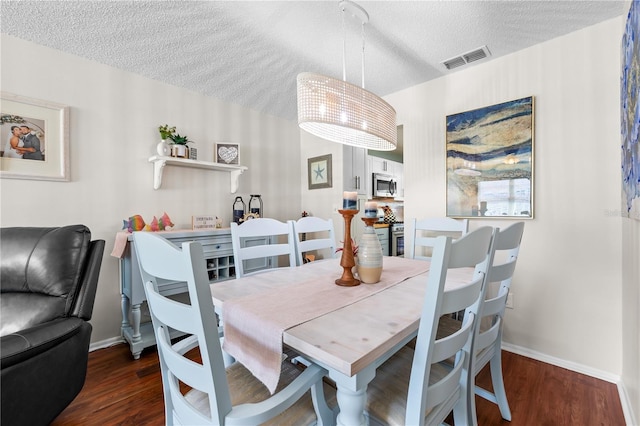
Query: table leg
pixel 136 315
pixel 125 311
pixel 352 395
pixel 351 405
pixel 227 359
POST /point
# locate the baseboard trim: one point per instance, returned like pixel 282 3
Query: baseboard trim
pixel 563 363
pixel 106 343
pixel 582 369
pixel 629 417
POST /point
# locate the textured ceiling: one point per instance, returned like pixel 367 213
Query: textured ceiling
pixel 249 52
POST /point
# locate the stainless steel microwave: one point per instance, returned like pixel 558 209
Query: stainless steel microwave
pixel 384 185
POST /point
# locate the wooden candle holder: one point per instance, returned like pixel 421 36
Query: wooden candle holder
pixel 369 221
pixel 347 261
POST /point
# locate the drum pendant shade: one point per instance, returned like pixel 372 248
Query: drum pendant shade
pixel 342 112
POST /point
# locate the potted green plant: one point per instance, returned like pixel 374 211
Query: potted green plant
pixel 165 133
pixel 179 147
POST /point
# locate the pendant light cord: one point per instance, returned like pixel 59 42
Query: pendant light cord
pixel 363 55
pixel 344 48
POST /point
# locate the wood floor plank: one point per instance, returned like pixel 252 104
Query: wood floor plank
pixel 122 391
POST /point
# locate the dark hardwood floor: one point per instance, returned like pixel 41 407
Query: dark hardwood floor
pixel 122 391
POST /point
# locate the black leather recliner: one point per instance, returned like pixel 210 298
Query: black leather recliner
pixel 48 281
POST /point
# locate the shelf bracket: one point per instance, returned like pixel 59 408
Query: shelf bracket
pixel 158 165
pixel 234 177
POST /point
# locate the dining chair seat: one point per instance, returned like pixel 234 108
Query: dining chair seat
pixel 392 379
pixel 244 388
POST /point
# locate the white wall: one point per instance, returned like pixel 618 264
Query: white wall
pixel 567 288
pixel 631 310
pixel 631 313
pixel 114 121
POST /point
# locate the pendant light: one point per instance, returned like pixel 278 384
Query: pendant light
pixel 342 112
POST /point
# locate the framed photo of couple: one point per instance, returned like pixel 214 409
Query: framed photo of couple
pixel 34 139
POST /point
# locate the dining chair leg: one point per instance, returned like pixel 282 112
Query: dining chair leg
pixel 325 415
pixel 499 395
pixel 498 385
pixel 464 411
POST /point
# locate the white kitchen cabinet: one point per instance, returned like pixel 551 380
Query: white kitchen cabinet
pixel 355 170
pixel 383 237
pixel 380 165
pixel 398 175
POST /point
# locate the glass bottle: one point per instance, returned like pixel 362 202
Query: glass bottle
pixel 369 254
pixel 255 205
pixel 238 209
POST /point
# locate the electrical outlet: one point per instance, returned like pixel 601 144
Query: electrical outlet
pixel 510 301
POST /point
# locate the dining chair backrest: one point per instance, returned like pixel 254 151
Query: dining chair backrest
pixel 422 234
pixel 159 259
pixel 488 332
pixel 439 398
pixel 259 240
pixel 313 234
pixel 209 401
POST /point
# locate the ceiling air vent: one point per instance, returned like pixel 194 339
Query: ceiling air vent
pixel 466 58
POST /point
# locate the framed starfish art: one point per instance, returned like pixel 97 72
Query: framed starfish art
pixel 319 172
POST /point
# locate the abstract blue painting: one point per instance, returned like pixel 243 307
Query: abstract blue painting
pixel 490 161
pixel 630 114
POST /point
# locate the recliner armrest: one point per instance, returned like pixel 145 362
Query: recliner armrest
pixel 20 346
pixel 87 293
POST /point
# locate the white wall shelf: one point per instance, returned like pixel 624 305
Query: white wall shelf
pixel 159 162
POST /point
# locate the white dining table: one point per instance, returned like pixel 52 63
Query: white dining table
pixel 351 341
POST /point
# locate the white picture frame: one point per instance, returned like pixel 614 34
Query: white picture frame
pixel 50 123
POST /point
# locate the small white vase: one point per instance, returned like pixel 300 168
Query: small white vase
pixel 163 148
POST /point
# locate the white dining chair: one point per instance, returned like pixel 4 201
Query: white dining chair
pixel 215 395
pixel 488 331
pixel 422 233
pixel 414 387
pixel 258 241
pixel 314 234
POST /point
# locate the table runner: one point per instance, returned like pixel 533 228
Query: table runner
pixel 254 324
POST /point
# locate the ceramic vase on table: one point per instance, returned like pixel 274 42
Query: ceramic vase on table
pixel 369 254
